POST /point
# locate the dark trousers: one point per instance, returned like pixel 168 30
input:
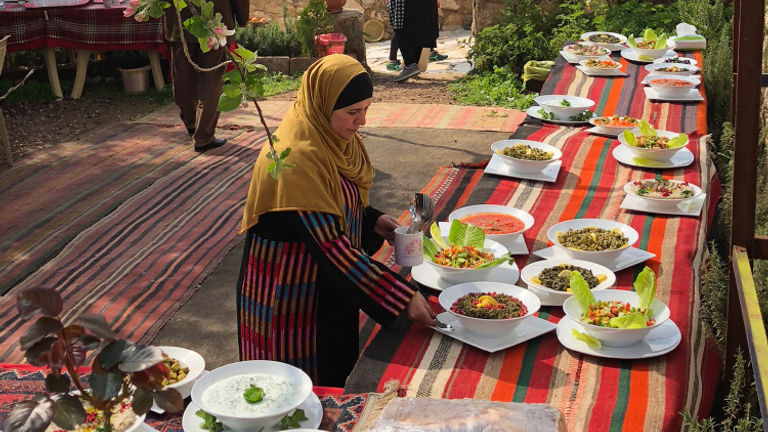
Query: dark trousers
pixel 393 47
pixel 197 93
pixel 408 48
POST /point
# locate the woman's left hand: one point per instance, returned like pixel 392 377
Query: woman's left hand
pixel 385 228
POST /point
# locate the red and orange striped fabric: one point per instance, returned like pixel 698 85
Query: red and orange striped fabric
pixel 593 394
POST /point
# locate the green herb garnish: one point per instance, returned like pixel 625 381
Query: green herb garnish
pixel 293 421
pixel 584 116
pixel 546 115
pixel 565 102
pixel 253 394
pixel 209 423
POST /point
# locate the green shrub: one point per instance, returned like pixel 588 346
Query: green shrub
pixel 269 40
pixel 574 19
pixel 501 87
pixel 313 20
pixel 634 16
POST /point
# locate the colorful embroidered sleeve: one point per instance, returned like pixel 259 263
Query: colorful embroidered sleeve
pixel 381 293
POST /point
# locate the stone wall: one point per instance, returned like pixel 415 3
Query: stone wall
pixel 453 14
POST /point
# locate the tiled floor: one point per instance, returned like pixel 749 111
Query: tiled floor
pixel 453 43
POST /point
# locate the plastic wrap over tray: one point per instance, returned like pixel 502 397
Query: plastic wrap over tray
pixel 466 415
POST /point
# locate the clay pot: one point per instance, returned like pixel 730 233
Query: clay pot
pixel 335 5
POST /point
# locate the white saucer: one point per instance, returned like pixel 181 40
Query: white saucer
pixel 693 95
pixel 690 207
pixel 499 167
pixel 628 258
pixel 575 59
pixel 427 276
pixel 680 159
pixel 628 54
pixel 601 72
pixel 531 328
pixel 597 130
pixel 312 407
pixel 534 112
pixel 516 246
pixel 659 341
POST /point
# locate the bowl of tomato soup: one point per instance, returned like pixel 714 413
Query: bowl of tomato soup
pixel 671 86
pixel 501 223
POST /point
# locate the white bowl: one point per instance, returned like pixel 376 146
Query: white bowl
pixel 552 104
pixel 622 39
pixel 616 337
pixel 249 422
pixel 552 296
pixel 525 165
pixel 691 61
pixel 610 129
pixel 616 65
pixel 603 51
pixel 654 53
pixel 653 68
pixel 593 256
pixel 491 208
pixel 663 202
pixel 656 81
pixel 460 275
pixel 652 154
pixel 190 359
pixel 489 327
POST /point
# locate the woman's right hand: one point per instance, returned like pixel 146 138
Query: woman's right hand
pixel 419 310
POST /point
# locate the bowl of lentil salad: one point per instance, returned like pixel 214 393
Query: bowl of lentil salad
pixel 492 300
pixel 448 267
pixel 594 240
pixel 614 302
pixel 662 192
pixel 548 279
pixel 653 147
pixel 526 156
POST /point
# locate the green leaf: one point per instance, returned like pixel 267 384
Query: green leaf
pixel 630 138
pixel 462 234
pixel 232 91
pixel 661 41
pixel 645 58
pixel 678 141
pixel 274 170
pixel 593 342
pixel 57 384
pixel 112 354
pixel 29 416
pixel 428 248
pixel 137 358
pixel 645 287
pixel 155 11
pixel 33 354
pixel 294 420
pixel 498 261
pixel 631 321
pixel 42 328
pixel 106 385
pixel 180 4
pixel 97 324
pixel 437 237
pixel 649 163
pixel 285 153
pixel 196 26
pixel 232 77
pixel 631 41
pixel 169 400
pixel 68 411
pixel 33 301
pixel 209 422
pixel 649 35
pixel 580 290
pixel 228 103
pixel 244 53
pixel 142 400
pixel 253 394
pixel 206 9
pixel 646 129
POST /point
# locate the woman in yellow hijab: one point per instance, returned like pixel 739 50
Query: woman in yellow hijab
pixel 306 269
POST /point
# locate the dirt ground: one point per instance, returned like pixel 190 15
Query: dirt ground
pixel 33 127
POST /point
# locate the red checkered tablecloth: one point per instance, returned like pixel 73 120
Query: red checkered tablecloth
pixel 91 26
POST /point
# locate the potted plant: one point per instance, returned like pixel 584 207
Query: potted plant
pixel 134 67
pixel 124 376
pixel 313 20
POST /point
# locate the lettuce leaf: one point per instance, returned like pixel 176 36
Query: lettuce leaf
pixel 645 287
pixel 580 290
pixel 631 321
pixel 661 41
pixel 645 58
pixel 462 234
pixel 593 343
pixel 645 162
pixel 646 129
pixel 631 41
pixel 498 261
pixel 649 35
pixel 429 248
pixel 677 141
pixel 437 237
pixel 629 137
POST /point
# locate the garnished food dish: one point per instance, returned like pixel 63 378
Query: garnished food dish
pixel 463 257
pixel 602 313
pixel 177 371
pixel 670 82
pixel 525 151
pixel 558 277
pixel 564 107
pixel 604 38
pixel 682 60
pixel 601 64
pixel 230 395
pixel 662 189
pixel 592 239
pixel 586 50
pixel 495 223
pixel 650 46
pixel 650 143
pixel 671 69
pixel 122 419
pixel 490 305
pixel 615 121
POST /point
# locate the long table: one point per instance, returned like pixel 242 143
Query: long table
pixel 86 28
pixel 594 394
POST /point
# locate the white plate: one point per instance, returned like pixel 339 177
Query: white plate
pixel 534 112
pixel 613 47
pixel 659 341
pixel 630 55
pixel 691 207
pixel 689 69
pixel 652 76
pixel 499 167
pixel 531 328
pixel 601 72
pixel 631 256
pixel 515 246
pixel 426 275
pixel 664 60
pixel 575 59
pixel 551 297
pixel 693 95
pixel 682 158
pixel 312 407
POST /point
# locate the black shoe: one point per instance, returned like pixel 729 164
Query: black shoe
pixel 191 131
pixel 216 142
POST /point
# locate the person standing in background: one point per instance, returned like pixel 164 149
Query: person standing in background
pixel 416 27
pixel 197 93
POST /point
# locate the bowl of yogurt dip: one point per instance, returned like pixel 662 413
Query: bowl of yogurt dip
pixel 254 394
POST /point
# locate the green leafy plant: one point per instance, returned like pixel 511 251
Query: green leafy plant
pixel 120 371
pixel 500 87
pixel 633 16
pixel 313 20
pixel 269 40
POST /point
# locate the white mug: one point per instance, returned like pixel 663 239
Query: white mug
pixel 408 247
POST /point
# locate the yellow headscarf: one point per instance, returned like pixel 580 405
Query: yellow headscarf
pixel 319 154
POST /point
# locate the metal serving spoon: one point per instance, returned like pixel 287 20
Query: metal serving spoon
pixel 422 210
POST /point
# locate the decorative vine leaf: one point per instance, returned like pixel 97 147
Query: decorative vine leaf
pixel 57 383
pixel 90 342
pixel 169 400
pixel 142 400
pixel 29 416
pixel 228 103
pixel 107 385
pixel 43 327
pixel 37 355
pixel 112 354
pixel 33 301
pixel 138 358
pixel 68 411
pixel 97 325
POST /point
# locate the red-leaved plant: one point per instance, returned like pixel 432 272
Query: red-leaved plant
pixel 120 371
